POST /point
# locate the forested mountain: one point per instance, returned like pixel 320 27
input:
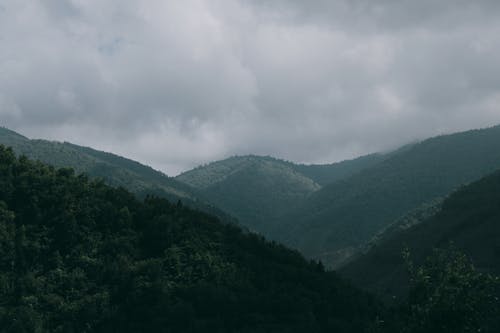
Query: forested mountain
pixel 258 190
pixel 79 256
pixel 255 189
pixel 329 211
pixel 325 174
pixel 334 221
pixel 293 203
pixel 113 169
pixel 469 219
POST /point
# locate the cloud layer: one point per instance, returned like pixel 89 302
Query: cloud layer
pixel 178 83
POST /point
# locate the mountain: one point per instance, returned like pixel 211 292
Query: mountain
pixel 258 190
pixel 79 256
pixel 113 169
pixel 333 222
pixel 254 189
pixel 324 174
pixel 469 219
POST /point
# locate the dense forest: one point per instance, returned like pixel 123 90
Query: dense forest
pixel 339 218
pixel 330 212
pixel 77 255
pixel 255 189
pixel 80 256
pixel 113 169
pixel 259 190
pixel 469 218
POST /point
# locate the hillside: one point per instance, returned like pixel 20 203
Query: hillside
pixel 325 174
pixel 259 190
pixel 334 221
pixel 256 190
pixel 80 256
pixel 115 170
pixel 469 218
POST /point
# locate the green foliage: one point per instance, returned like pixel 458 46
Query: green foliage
pixel 325 174
pixel 256 190
pixel 447 294
pixel 349 212
pixel 259 190
pixel 469 218
pixel 79 256
pixel 409 220
pixel 114 170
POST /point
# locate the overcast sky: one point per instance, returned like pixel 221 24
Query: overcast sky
pixel 174 84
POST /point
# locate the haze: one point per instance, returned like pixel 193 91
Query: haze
pixel 174 84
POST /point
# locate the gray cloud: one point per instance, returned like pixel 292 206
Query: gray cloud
pixel 176 84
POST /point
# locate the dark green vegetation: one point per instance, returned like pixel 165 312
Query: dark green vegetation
pixel 469 218
pixel 447 294
pixel 325 174
pixel 114 170
pixel 330 212
pixel 259 190
pixel 334 221
pixel 79 256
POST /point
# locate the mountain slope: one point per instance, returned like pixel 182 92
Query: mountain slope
pixel 334 221
pixel 325 174
pixel 80 256
pixel 469 218
pixel 258 190
pixel 115 170
pixel 254 189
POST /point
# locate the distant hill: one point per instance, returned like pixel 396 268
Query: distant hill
pixel 334 221
pixel 255 189
pixel 116 170
pixel 469 218
pixel 325 174
pixel 259 190
pixel 113 169
pixel 79 256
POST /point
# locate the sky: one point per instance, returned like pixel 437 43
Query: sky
pixel 175 84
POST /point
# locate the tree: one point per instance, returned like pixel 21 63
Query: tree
pixel 447 294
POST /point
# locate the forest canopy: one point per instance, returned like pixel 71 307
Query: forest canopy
pixel 79 256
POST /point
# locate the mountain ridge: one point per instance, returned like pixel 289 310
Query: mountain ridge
pixel 80 256
pixel 349 212
pixel 467 218
pixel 258 190
pixel 61 153
pixel 113 169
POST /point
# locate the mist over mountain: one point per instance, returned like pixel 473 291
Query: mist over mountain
pixel 237 166
pixel 178 84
